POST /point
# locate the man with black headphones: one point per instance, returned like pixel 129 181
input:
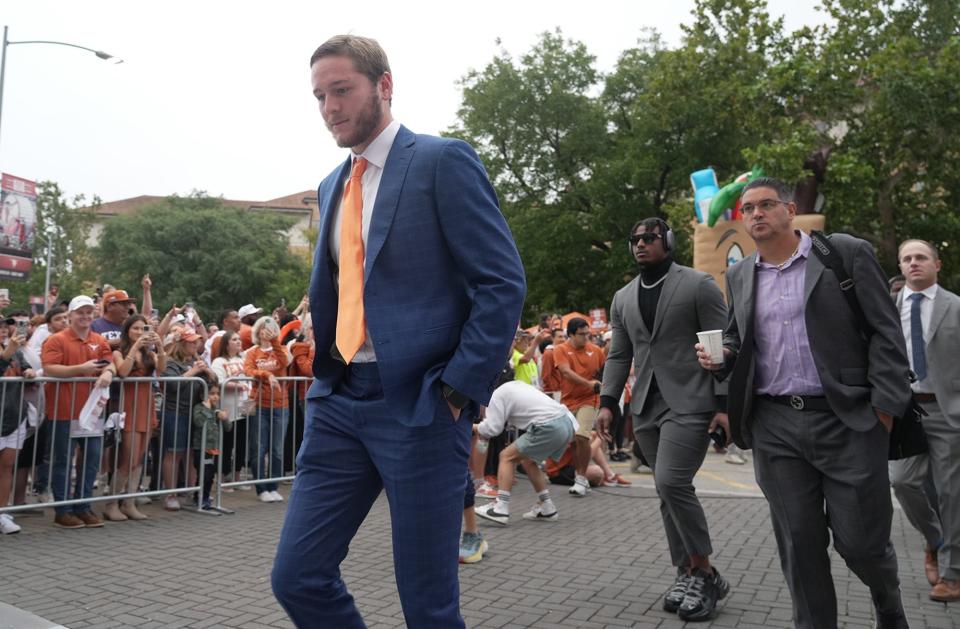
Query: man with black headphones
pixel 655 319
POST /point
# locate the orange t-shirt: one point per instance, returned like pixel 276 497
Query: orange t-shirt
pixel 552 468
pixel 261 364
pixel 246 336
pixel 550 377
pixel 66 348
pixel 586 363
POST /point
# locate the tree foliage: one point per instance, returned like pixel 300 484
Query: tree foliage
pixel 199 250
pixel 577 156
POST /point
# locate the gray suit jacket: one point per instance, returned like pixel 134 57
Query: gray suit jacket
pixel 943 339
pixel 858 375
pixel 690 302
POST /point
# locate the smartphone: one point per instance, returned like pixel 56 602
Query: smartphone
pixel 5 293
pixel 719 436
pixel 102 362
pixel 23 327
pixel 154 313
pixel 147 329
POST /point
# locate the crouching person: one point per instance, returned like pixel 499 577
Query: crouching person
pixel 549 428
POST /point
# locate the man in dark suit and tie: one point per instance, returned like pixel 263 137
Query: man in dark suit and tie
pixel 930 319
pixel 814 395
pixel 415 297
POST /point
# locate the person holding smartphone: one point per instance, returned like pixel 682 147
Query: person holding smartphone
pixel 140 354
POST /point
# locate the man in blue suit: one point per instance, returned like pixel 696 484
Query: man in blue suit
pixel 412 329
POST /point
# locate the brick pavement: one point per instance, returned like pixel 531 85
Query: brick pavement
pixel 603 564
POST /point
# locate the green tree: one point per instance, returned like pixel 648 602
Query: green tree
pixel 65 223
pixel 540 131
pixel 197 249
pixel 880 88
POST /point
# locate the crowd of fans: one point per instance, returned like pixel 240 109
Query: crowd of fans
pixel 143 402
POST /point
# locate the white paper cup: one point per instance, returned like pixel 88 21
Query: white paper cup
pixel 712 341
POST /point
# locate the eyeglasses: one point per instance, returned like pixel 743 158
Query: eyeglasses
pixel 766 205
pixel 646 237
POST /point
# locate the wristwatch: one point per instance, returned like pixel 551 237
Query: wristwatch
pixel 454 397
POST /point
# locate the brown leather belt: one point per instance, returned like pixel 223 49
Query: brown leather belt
pixel 925 398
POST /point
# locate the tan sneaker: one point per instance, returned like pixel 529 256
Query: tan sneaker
pixel 68 521
pixel 90 519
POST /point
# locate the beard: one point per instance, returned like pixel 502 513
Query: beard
pixel 366 122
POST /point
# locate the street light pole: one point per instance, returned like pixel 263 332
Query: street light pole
pixel 3 67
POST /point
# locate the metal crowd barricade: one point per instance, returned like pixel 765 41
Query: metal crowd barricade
pixel 155 442
pixel 265 437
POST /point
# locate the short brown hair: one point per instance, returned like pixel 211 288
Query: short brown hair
pixel 366 54
pixel 929 245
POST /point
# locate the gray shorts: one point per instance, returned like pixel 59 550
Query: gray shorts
pixel 548 439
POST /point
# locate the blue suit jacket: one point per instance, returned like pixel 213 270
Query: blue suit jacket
pixel 443 282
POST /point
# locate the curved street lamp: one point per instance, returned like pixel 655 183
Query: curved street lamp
pixel 7 42
pixel 3 65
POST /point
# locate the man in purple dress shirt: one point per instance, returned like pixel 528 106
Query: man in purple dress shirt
pixel 814 396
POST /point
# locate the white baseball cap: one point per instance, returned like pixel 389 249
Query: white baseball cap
pixel 248 310
pixel 80 301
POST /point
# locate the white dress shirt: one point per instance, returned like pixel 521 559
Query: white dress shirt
pixel 926 311
pixel 376 156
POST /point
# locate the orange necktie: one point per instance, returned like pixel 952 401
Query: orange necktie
pixel 350 318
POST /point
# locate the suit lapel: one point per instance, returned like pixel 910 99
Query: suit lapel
pixel 813 272
pixel 633 319
pixel 666 296
pixel 747 282
pixel 940 307
pixel 388 195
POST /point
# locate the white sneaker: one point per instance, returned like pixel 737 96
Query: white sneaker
pixel 277 497
pixel 7 525
pixel 266 496
pixel 537 514
pixel 578 490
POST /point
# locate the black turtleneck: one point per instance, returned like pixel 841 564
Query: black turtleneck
pixel 649 297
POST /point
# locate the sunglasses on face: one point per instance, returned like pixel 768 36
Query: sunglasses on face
pixel 646 237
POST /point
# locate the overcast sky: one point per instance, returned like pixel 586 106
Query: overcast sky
pixel 215 95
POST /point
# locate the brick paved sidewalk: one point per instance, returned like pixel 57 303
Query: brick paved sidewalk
pixel 603 564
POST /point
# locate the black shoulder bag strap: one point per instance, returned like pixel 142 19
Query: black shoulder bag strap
pixel 907 437
pixel 833 261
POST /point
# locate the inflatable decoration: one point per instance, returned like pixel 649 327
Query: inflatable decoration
pixel 705 186
pixel 728 196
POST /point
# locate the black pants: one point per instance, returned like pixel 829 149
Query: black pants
pixel 209 463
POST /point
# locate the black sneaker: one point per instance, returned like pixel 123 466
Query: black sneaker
pixel 674 596
pixel 704 591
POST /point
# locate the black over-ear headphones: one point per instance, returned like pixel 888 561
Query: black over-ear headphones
pixel 669 241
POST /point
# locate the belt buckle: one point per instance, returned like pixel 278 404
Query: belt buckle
pixel 797 402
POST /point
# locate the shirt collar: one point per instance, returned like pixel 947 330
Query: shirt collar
pixel 803 251
pixel 377 151
pixel 929 292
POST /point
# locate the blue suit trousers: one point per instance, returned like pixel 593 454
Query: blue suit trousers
pixel 353 446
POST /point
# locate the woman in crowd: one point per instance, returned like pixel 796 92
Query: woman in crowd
pixel 301 365
pixel 13 419
pixel 233 398
pixel 266 361
pixel 179 398
pixel 140 355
